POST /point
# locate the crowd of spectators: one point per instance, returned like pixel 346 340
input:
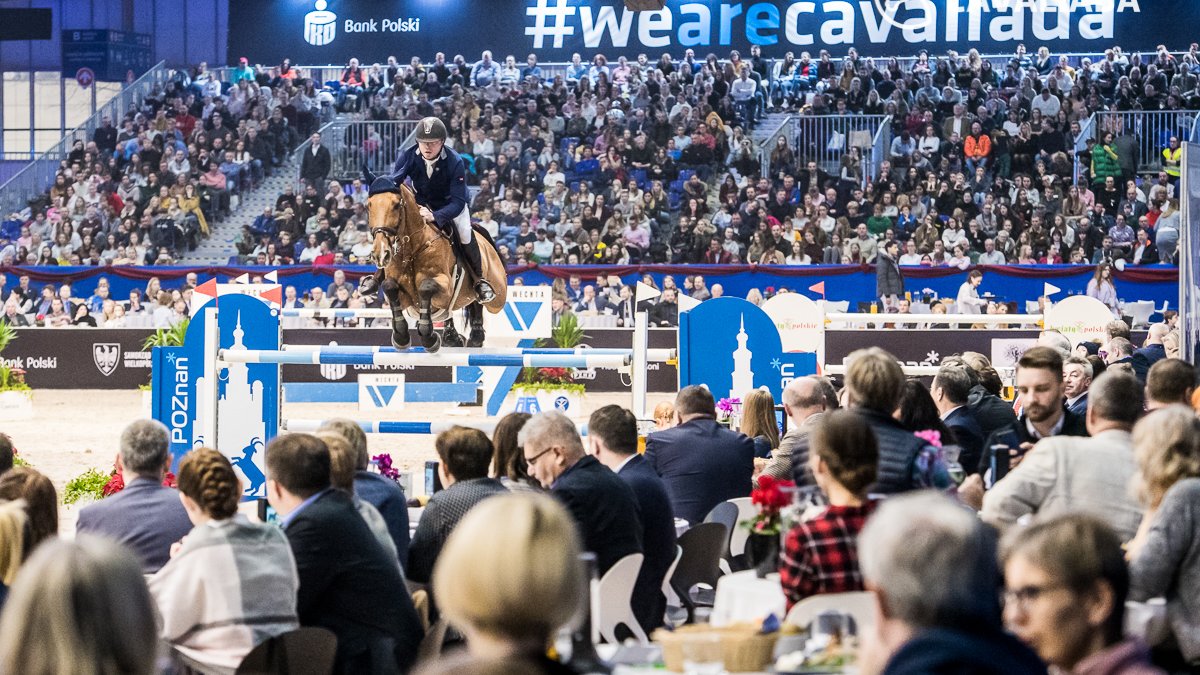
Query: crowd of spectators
pixel 651 161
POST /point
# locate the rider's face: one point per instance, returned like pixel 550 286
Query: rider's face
pixel 431 149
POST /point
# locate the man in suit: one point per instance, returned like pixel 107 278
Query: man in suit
pixel 591 303
pixel 1092 475
pixel 1144 251
pixel 612 437
pixel 951 387
pixel 701 462
pixel 602 504
pixel 1077 377
pixel 348 583
pixel 383 493
pixel 146 517
pixel 317 162
pixel 991 411
pixel 1040 386
pixel 1152 351
pixel 466 456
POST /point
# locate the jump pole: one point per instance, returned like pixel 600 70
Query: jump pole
pixel 479 360
pixel 403 427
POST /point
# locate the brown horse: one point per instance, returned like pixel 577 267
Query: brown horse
pixel 418 261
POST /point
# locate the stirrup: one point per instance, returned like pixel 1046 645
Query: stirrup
pixel 484 292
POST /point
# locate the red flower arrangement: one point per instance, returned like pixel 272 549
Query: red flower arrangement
pixel 555 375
pixel 771 497
pixel 116 482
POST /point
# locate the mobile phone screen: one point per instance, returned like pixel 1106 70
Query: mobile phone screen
pixel 266 513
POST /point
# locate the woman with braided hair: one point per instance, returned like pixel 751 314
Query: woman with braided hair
pixel 230 583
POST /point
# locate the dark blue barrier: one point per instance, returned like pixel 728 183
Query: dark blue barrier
pixel 1159 283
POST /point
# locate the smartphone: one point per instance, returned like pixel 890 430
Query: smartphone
pixel 781 420
pixel 1002 454
pixel 433 482
pixel 266 513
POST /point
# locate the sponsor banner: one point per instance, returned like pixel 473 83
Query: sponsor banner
pixel 380 392
pixel 1081 318
pixel 929 347
pixel 333 31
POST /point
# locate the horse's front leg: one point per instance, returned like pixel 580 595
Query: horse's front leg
pixel 391 291
pixel 426 290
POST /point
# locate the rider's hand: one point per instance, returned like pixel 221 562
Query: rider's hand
pixel 427 214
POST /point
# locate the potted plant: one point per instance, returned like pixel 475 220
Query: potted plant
pixel 163 337
pixel 771 497
pixel 93 485
pixel 16 398
pixel 541 389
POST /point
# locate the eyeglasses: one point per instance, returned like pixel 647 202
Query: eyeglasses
pixel 530 461
pixel 1024 595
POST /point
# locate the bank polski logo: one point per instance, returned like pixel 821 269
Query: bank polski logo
pixel 320 25
pixel 887 10
pixel 106 355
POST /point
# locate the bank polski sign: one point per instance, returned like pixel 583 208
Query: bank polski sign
pixel 333 31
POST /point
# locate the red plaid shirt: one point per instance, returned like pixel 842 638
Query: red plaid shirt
pixel 821 555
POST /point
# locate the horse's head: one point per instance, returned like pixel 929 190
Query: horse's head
pixel 385 214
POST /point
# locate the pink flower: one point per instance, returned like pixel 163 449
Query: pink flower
pixel 931 436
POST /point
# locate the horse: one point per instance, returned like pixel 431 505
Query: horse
pixel 421 274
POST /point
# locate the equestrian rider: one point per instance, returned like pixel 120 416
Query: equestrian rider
pixel 438 177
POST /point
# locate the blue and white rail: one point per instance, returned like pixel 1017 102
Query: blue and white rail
pixel 403 427
pixel 479 360
pixel 652 355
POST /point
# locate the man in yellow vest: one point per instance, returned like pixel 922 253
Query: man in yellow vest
pixel 1172 160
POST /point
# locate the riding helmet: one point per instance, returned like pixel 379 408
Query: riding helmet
pixel 431 129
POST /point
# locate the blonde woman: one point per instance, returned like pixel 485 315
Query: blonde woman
pixel 14 524
pixel 509 578
pixel 79 607
pixel 758 422
pixel 1164 557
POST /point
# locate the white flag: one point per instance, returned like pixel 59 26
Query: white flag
pixel 1050 289
pixel 272 276
pixel 687 302
pixel 645 292
pixel 243 279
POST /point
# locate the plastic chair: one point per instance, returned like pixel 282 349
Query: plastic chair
pixel 672 598
pixel 304 651
pixel 737 540
pixel 725 513
pixel 1140 312
pixel 860 605
pixel 699 563
pixel 616 592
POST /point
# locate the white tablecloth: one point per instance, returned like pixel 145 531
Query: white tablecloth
pixel 743 597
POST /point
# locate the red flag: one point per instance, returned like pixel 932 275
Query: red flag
pixel 818 288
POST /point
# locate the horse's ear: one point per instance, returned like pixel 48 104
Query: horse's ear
pixel 368 177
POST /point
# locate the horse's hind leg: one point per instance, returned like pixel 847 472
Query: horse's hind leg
pixel 400 337
pixel 475 317
pixel 426 290
pixel 451 336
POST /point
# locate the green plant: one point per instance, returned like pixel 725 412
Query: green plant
pixel 165 337
pixel 11 379
pixel 90 483
pixel 566 335
pixel 534 387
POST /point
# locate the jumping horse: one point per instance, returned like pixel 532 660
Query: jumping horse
pixel 422 276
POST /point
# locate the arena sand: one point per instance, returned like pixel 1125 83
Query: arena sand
pixel 74 430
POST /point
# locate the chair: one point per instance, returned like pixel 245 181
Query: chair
pixel 699 563
pixel 737 540
pixel 304 651
pixel 615 592
pixel 725 513
pixel 1139 312
pixel 860 605
pixel 672 599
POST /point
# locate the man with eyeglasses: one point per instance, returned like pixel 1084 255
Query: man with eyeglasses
pixel 602 504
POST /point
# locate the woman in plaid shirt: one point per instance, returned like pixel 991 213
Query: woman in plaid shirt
pixel 821 555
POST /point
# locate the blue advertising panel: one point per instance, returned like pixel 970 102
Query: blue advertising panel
pixel 333 31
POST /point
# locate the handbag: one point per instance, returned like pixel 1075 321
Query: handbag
pixel 837 142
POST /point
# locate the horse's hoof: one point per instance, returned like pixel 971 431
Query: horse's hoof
pixel 401 340
pixel 425 329
pixel 476 340
pixel 455 340
pixel 433 342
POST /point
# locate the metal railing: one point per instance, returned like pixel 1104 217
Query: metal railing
pixel 33 180
pixel 786 129
pixel 1086 128
pixel 825 138
pixel 353 143
pixel 880 145
pixel 1151 129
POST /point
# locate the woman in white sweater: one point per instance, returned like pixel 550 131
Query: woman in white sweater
pixel 231 583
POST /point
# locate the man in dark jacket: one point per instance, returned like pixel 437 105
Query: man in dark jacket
pixel 701 462
pixel 951 388
pixel 932 568
pixel 612 437
pixel 889 282
pixel 348 583
pixel 1043 414
pixel 876 383
pixel 603 505
pixel 317 163
pixel 1152 351
pixel 991 411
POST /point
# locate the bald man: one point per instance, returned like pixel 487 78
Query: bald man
pixel 1152 351
pixel 805 399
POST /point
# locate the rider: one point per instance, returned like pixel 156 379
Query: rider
pixel 438 177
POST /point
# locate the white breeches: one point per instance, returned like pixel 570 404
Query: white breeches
pixel 462 223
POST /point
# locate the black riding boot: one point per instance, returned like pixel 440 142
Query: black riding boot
pixel 483 290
